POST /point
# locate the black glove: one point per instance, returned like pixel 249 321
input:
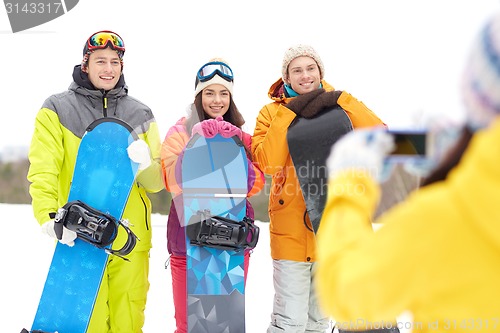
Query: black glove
pixel 300 102
pixel 326 100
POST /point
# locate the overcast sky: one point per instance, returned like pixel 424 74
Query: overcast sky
pixel 403 59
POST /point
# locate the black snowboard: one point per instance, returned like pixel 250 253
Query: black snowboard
pixel 310 142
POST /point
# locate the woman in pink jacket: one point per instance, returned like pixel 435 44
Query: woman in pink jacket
pixel 213 99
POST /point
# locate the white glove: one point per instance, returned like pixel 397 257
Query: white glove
pixel 68 236
pixel 361 150
pixel 138 151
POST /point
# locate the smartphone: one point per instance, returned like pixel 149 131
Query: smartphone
pixel 410 143
pixel 404 167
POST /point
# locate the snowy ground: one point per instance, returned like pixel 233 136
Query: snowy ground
pixel 27 254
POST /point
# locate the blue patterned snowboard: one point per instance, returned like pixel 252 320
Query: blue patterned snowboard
pixel 214 177
pixel 103 178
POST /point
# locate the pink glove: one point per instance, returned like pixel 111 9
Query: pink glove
pixel 228 130
pixel 211 127
pixel 206 128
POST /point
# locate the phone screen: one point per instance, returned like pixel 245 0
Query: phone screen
pixel 404 167
pixel 410 143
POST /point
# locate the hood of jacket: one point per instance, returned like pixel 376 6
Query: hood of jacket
pixel 82 79
pixel 103 101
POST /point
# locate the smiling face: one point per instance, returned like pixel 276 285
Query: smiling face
pixel 215 100
pixel 303 75
pixel 104 68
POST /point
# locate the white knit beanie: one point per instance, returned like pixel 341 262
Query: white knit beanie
pixel 301 50
pixel 481 79
pixel 215 80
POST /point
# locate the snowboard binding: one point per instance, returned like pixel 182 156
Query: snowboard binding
pixel 93 226
pixel 222 233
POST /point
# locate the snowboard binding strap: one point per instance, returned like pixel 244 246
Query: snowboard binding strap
pixel 222 233
pixel 93 226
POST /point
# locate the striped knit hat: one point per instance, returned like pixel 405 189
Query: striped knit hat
pixel 481 79
pixel 301 50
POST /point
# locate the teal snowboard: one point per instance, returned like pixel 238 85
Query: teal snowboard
pixel 103 177
pixel 214 183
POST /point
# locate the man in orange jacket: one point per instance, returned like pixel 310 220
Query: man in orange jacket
pixel 301 92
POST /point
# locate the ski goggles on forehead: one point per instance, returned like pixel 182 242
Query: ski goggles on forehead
pixel 103 39
pixel 209 70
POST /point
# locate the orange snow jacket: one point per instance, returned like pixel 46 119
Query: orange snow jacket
pixel 291 239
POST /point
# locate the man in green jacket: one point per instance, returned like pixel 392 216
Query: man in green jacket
pixel 98 90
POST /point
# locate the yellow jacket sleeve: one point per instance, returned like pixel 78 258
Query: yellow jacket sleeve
pixel 51 164
pixel 372 272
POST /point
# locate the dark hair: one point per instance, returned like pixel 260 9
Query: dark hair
pixel 232 115
pixel 451 159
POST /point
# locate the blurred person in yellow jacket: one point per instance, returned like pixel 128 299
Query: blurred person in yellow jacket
pixel 98 90
pixel 443 239
pixel 300 92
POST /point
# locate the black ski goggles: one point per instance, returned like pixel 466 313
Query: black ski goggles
pixel 210 69
pixel 103 39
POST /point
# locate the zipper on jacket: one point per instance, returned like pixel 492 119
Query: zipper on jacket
pixel 104 103
pixel 145 210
